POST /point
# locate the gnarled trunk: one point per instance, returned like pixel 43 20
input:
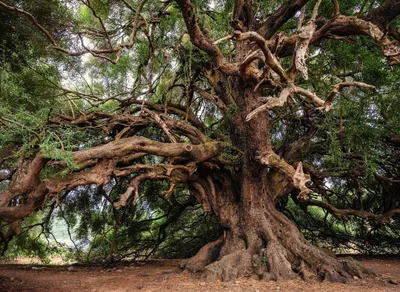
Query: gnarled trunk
pixel 258 239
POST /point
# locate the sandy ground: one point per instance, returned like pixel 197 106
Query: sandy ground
pixel 165 275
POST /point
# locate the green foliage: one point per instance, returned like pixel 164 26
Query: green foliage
pixel 109 106
pixel 51 151
pixel 85 16
pixel 89 229
pixel 34 242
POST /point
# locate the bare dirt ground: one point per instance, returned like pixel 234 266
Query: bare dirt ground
pixel 164 275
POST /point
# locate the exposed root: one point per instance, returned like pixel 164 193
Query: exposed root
pixel 328 268
pixel 270 250
pixel 356 268
pixel 330 273
pixel 275 262
pixel 206 255
pixel 230 267
pixel 276 259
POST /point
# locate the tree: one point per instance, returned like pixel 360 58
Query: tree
pixel 185 103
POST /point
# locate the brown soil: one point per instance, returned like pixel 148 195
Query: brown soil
pixel 165 275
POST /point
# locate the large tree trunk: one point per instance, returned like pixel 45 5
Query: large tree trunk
pixel 258 239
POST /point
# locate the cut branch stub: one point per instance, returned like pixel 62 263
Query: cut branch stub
pixel 297 176
pixel 300 179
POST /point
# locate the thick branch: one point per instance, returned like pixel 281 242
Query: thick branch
pixel 270 59
pixel 285 12
pixel 296 176
pixel 27 185
pixel 384 14
pixel 125 146
pixel 346 26
pixel 343 214
pixel 199 39
pixel 302 43
pixel 327 104
pixel 272 102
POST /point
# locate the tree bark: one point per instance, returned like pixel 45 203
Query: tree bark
pixel 258 240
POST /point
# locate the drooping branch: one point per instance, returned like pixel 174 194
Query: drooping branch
pixel 345 213
pixel 24 180
pixel 99 53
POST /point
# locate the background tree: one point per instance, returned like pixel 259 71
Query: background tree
pixel 221 99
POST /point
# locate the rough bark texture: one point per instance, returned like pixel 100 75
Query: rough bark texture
pixel 259 240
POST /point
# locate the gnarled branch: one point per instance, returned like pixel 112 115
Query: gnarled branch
pixel 345 213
